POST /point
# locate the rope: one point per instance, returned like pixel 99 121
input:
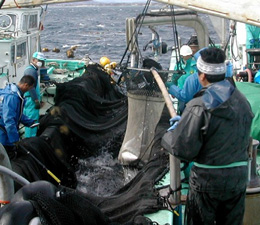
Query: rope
pixel 17 4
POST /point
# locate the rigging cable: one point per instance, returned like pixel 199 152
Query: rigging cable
pixel 233 35
pixel 135 31
pixel 175 38
pixel 2 3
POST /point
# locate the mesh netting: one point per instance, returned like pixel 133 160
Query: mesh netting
pixel 143 82
pixel 138 197
pixel 67 209
pixel 90 114
pixel 145 107
pixel 65 206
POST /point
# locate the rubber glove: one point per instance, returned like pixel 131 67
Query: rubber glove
pixel 174 122
pixel 252 41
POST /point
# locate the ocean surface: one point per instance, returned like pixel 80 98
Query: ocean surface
pixel 98 29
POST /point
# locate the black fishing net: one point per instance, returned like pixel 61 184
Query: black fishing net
pixel 93 110
pixel 139 196
pixel 90 116
pixel 143 82
pixel 65 206
pixel 35 155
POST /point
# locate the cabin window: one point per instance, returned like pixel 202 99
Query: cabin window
pixel 30 22
pixel 33 21
pixel 21 51
pixel 12 54
pixel 25 19
pixel 13 26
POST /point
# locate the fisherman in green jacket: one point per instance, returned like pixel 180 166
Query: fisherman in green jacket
pixel 187 64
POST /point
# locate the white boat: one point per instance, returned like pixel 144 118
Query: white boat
pixel 20 37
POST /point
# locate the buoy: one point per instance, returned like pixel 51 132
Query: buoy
pixel 45 50
pixel 56 50
pixel 104 61
pixel 74 47
pixel 70 53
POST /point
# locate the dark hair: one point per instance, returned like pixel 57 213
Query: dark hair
pixel 27 79
pixel 213 55
pixel 213 78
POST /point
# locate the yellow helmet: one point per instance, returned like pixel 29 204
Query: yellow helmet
pixel 104 61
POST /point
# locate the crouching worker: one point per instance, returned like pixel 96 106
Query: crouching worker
pixel 213 132
pixel 11 112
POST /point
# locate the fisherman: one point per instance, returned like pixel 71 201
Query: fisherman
pixel 11 112
pixel 192 85
pixel 33 97
pixel 187 64
pixel 218 178
pixel 190 88
pixel 252 36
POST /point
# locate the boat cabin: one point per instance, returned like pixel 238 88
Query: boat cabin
pixel 19 38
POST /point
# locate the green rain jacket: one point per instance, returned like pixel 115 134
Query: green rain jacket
pixel 189 67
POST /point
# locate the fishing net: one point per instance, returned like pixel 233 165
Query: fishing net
pixel 65 206
pixel 145 107
pixel 25 165
pixel 93 110
pixel 139 196
pixel 90 116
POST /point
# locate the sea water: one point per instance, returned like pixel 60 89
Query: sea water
pixel 98 29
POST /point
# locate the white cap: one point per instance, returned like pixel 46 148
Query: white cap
pixel 185 50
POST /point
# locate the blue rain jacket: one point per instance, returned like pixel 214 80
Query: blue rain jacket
pixel 31 96
pixel 190 88
pixel 11 114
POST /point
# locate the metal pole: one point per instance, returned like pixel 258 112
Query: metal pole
pixel 175 170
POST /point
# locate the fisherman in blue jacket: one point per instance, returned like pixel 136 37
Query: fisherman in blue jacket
pixel 11 111
pixel 192 85
pixel 33 97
